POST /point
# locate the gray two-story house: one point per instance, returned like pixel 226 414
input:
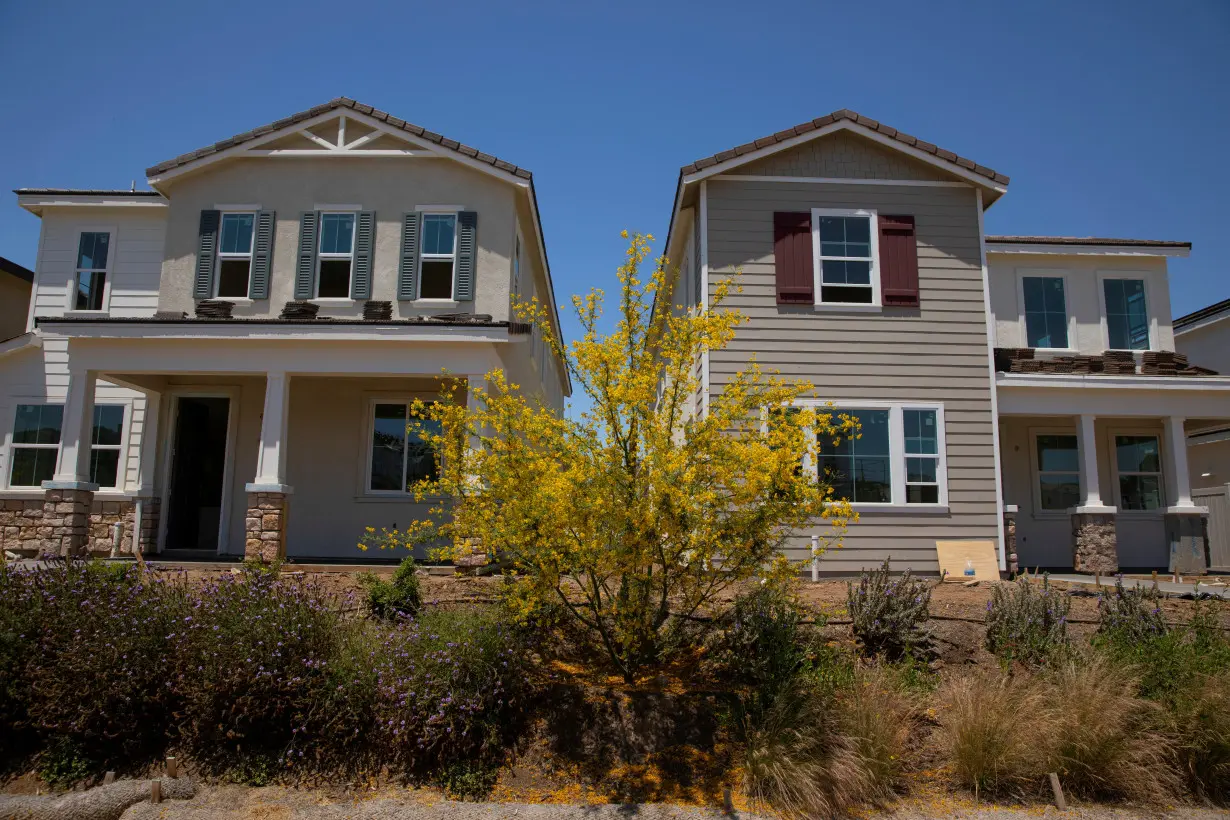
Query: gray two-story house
pixel 224 364
pixel 1018 390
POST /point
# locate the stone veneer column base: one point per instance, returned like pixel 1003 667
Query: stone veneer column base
pixel 1010 512
pixel 65 526
pixel 1095 546
pixel 151 509
pixel 266 526
pixel 1187 533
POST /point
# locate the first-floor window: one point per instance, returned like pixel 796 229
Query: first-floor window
pixel 1139 463
pixel 105 444
pixel 36 444
pixel 896 457
pixel 922 456
pixel 1059 485
pixel 400 456
pixel 860 467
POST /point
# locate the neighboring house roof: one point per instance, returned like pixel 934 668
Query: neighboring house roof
pixel 20 271
pixel 84 192
pixel 1086 240
pixel 339 102
pixel 845 114
pixel 1218 310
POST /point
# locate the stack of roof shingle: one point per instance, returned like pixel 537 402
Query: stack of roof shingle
pixel 214 309
pixel 299 309
pixel 377 311
pixel 1162 363
pixel 1119 362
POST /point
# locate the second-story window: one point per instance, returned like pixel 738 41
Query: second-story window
pixel 1127 314
pixel 235 255
pixel 439 256
pixel 93 251
pixel 1046 313
pixel 846 257
pixel 336 256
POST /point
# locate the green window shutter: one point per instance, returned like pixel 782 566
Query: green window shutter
pixel 305 268
pixel 408 269
pixel 467 250
pixel 364 239
pixel 206 253
pixel 262 254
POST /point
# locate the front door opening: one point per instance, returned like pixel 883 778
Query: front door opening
pixel 198 467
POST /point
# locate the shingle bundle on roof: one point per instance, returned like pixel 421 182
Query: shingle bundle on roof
pixel 214 309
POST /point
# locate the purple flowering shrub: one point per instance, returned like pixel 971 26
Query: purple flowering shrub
pixel 252 656
pixel 1131 615
pixel 98 674
pixel 20 608
pixel 1026 624
pixel 889 614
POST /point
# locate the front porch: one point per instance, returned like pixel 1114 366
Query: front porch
pixel 1095 471
pixel 260 448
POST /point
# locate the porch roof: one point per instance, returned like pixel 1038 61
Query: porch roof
pixel 1112 395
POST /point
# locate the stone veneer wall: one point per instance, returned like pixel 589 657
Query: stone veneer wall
pixel 265 527
pixel 1095 543
pixel 28 528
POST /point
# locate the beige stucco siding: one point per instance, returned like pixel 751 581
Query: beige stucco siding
pixel 390 187
pixel 1083 293
pixel 936 353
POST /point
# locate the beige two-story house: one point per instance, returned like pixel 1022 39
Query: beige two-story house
pixel 1020 390
pixel 224 364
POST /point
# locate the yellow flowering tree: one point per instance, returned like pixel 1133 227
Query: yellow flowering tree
pixel 638 512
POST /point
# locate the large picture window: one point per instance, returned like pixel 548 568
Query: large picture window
pixel 1138 463
pixel 1046 312
pixel 1058 471
pixel 336 256
pixel 845 257
pixel 400 457
pixel 897 458
pixel 235 255
pixel 439 256
pixel 1127 314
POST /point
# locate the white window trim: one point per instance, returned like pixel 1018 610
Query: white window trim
pixel 874 248
pixel 70 301
pixel 11 447
pixel 896 451
pixel 437 257
pixel 1151 315
pixel 1035 473
pixel 368 428
pixel 322 256
pixel 1112 450
pixel 1049 273
pixel 220 256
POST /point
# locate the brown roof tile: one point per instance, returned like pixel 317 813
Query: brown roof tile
pixel 340 102
pixel 836 116
pixel 1085 240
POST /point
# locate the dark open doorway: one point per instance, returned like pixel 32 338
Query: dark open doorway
pixel 198 470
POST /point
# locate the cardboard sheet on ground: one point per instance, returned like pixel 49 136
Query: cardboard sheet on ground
pixel 953 556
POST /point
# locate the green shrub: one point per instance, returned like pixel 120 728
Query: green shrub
pixel 1131 615
pixel 1025 624
pixel 20 614
pixel 889 614
pixel 62 765
pixel 97 677
pixel 467 781
pixel 398 598
pixel 760 641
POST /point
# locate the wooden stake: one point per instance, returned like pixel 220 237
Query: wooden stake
pixel 172 767
pixel 1057 791
pixel 1097 580
pixel 728 802
pixel 155 791
pixel 108 778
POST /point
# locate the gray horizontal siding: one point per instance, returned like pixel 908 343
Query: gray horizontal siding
pixel 937 352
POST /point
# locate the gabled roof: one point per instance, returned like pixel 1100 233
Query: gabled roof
pixel 1213 312
pixel 20 271
pixel 338 103
pixel 844 115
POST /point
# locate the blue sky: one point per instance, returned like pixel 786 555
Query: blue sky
pixel 1112 118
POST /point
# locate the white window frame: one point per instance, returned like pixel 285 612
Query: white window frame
pixel 896 451
pixel 120 480
pixel 369 429
pixel 438 257
pixel 1047 273
pixel 1112 434
pixel 872 217
pixel 221 257
pixel 1035 471
pixel 1151 316
pixel 322 257
pixel 11 447
pixel 70 302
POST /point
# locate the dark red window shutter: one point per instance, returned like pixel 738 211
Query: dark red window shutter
pixel 792 259
pixel 898 261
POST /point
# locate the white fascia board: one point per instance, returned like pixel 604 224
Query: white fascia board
pixel 996 248
pixel 20 343
pixel 1074 380
pixel 35 203
pixel 1205 322
pixel 863 131
pixel 274 331
pixel 1140 397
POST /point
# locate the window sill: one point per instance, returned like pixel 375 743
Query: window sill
pixel 434 303
pixel 1058 351
pixel 837 307
pixel 900 509
pixel 334 300
pixel 395 498
pixel 236 300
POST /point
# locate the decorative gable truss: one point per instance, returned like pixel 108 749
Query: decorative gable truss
pixel 340 135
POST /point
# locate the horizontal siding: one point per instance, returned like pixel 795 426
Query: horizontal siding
pixel 935 353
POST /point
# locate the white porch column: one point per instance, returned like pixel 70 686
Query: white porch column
pixel 271 460
pixel 1091 495
pixel 1178 479
pixel 73 466
pixel 147 507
